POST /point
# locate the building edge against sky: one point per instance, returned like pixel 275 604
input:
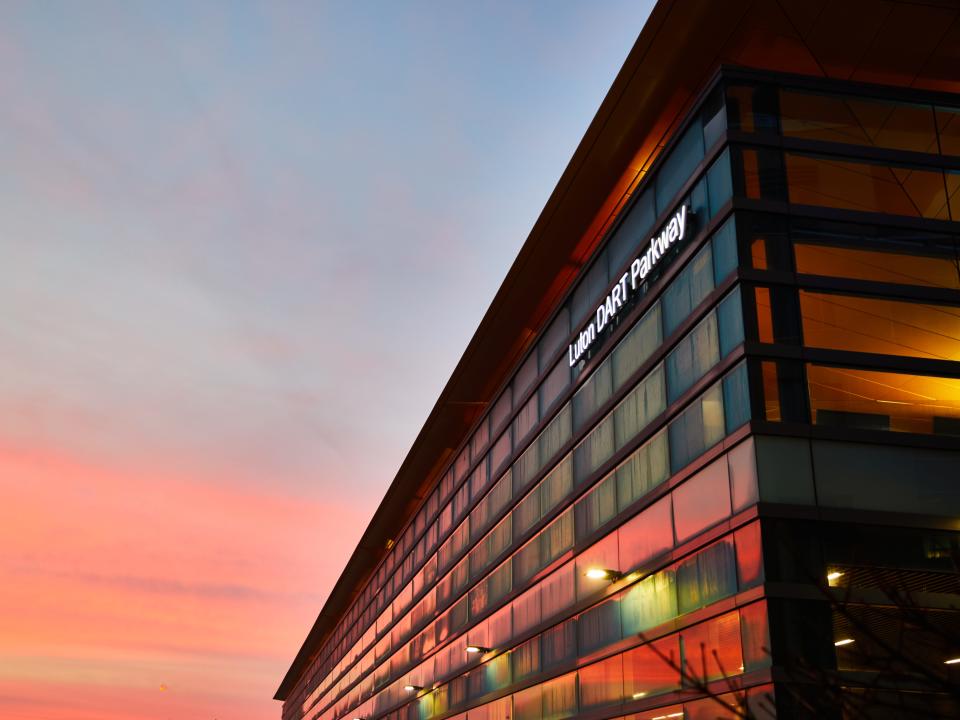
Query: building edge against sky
pixel 709 425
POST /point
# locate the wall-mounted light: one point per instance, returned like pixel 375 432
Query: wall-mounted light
pixel 477 649
pixel 844 641
pixel 952 661
pixel 413 688
pixel 598 573
pixel 833 576
pixel 638 695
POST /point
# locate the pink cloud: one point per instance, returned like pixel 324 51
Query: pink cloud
pixel 116 583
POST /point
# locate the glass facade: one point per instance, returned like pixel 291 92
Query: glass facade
pixel 602 542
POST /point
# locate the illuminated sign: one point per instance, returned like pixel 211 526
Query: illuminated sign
pixel 628 284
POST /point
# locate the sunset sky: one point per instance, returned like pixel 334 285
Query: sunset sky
pixel 242 247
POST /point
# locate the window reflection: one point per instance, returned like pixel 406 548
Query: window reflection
pixel 857 121
pixel 876 325
pixel 871 187
pixel 844 397
pixel 878 264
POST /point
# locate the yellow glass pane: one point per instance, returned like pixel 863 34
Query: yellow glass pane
pixel 870 187
pixel 876 325
pixel 878 265
pixel 882 400
pixel 858 121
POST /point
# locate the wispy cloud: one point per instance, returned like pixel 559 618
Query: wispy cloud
pixel 243 248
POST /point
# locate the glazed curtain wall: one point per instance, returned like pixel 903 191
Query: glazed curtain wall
pixel 642 471
pixel 721 569
pixel 879 310
pixel 491 444
pixel 511 421
pixel 875 307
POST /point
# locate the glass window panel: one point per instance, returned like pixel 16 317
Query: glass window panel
pixel 652 669
pixel 461 465
pixel 692 357
pixel 557 537
pixel 749 556
pixel 599 626
pixel 764 314
pixel 601 683
pixel 640 407
pixel 952 181
pixel 528 704
pixel 717 569
pixel 649 603
pixel 687 290
pixel 560 697
pixel 724 243
pixel 526 420
pixel 857 121
pixel 699 427
pixel 719 183
pixel 554 338
pixel 742 465
pixel 526 610
pixel 479 479
pixel 525 376
pixel 646 468
pixel 879 325
pixel 948 126
pixel 711 650
pixel 755 634
pixel 557 591
pixel 526 467
pixel 892 265
pixel 501 411
pixel 481 436
pixel 595 449
pixel 603 555
pixel 872 187
pixel 527 562
pixel 679 166
pixel 702 501
pixel 729 706
pixel 714 118
pixel 555 436
pixel 593 394
pixel 591 287
pixel 633 231
pixel 637 347
pixel 558 644
pixel 596 508
pixel 736 398
pixel 527 513
pixel 730 322
pixel 646 536
pixel 688 585
pixel 554 384
pixel 526 659
pixel 500 452
pixel 556 486
pixel 847 397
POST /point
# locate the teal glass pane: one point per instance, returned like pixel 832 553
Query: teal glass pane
pixel 724 243
pixel 736 398
pixel 719 182
pixel 730 320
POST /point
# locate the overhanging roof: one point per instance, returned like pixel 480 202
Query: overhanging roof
pixel 893 42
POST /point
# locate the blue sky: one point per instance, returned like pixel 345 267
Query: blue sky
pixel 245 245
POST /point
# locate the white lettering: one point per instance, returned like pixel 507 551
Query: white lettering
pixel 619 294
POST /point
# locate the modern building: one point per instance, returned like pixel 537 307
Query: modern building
pixel 701 458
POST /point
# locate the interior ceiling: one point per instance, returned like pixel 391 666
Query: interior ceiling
pixel 914 44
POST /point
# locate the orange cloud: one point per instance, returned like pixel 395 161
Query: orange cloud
pixel 118 583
